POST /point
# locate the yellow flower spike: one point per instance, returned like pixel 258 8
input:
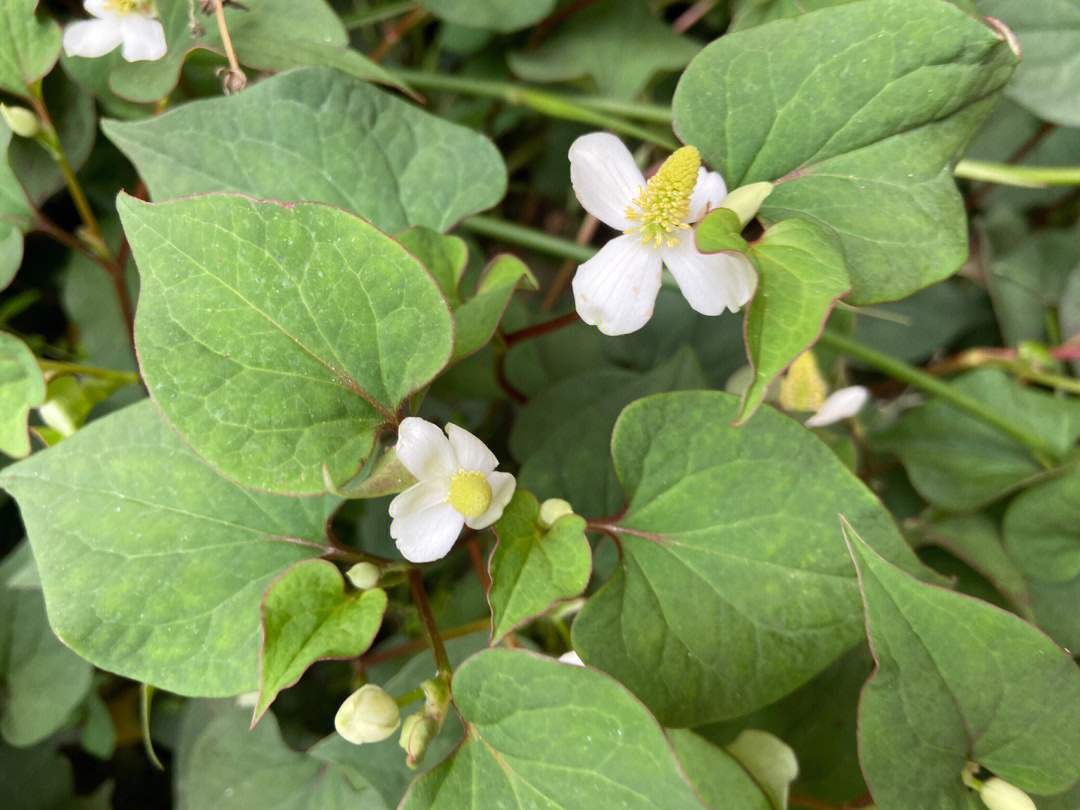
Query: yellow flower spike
pixel 663 206
pixel 803 388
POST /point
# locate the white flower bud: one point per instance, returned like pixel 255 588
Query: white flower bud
pixel 552 509
pixel 997 794
pixel 745 201
pixel 364 575
pixel 416 732
pixel 368 715
pixel 20 120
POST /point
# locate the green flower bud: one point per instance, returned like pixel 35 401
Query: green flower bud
pixel 368 715
pixel 416 732
pixel 997 794
pixel 436 698
pixel 20 120
pixel 364 575
pixel 552 509
pixel 746 200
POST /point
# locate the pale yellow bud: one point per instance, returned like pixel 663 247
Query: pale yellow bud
pixel 416 732
pixel 368 715
pixel 997 794
pixel 552 509
pixel 746 201
pixel 20 120
pixel 364 575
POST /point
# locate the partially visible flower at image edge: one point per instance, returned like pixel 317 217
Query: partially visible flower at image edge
pixel 134 24
pixel 456 486
pixel 803 388
pixel 617 288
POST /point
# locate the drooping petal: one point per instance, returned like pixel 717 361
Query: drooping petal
pixel 616 289
pixel 502 489
pixel 418 497
pixel 708 194
pixel 571 658
pixel 424 450
pixel 711 282
pixel 840 405
pixel 605 178
pixel 91 38
pixel 428 534
pixel 144 38
pixel 471 453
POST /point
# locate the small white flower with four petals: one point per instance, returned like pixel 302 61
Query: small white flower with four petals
pixel 131 23
pixel 457 486
pixel 616 289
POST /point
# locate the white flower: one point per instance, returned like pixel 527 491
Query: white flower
pixel 457 486
pixel 131 23
pixel 571 658
pixel 997 794
pixel 839 405
pixel 616 289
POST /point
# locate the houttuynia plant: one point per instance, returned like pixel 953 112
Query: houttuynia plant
pixel 552 405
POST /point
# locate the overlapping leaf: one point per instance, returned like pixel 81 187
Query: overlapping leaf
pixel 734 588
pixel 152 565
pixel 546 734
pixel 21 388
pixel 959 462
pixel 494 15
pixel 315 134
pixel 754 772
pixel 278 340
pixel 956 681
pixel 533 567
pixel 29 45
pixel 307 616
pixel 864 153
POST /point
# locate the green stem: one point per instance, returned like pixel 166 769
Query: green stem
pixel 1045 453
pixel 528 237
pixel 60 367
pixel 552 104
pixel 410 697
pixel 431 630
pixel 358 19
pixel 1024 176
pixel 639 111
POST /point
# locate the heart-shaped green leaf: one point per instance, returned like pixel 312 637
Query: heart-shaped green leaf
pixel 733 588
pixel 800 274
pixel 545 734
pixel 152 565
pixel 533 567
pixel 278 339
pixel 958 680
pixel 384 159
pixel 865 153
pixel 308 617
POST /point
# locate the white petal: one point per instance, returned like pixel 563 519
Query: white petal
pixel 840 405
pixel 144 38
pixel 502 490
pixel 711 282
pixel 471 453
pixel 419 497
pixel 91 38
pixel 616 289
pixel 427 535
pixel 424 450
pixel 605 178
pixel 708 194
pixel 571 658
pixel 97 8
